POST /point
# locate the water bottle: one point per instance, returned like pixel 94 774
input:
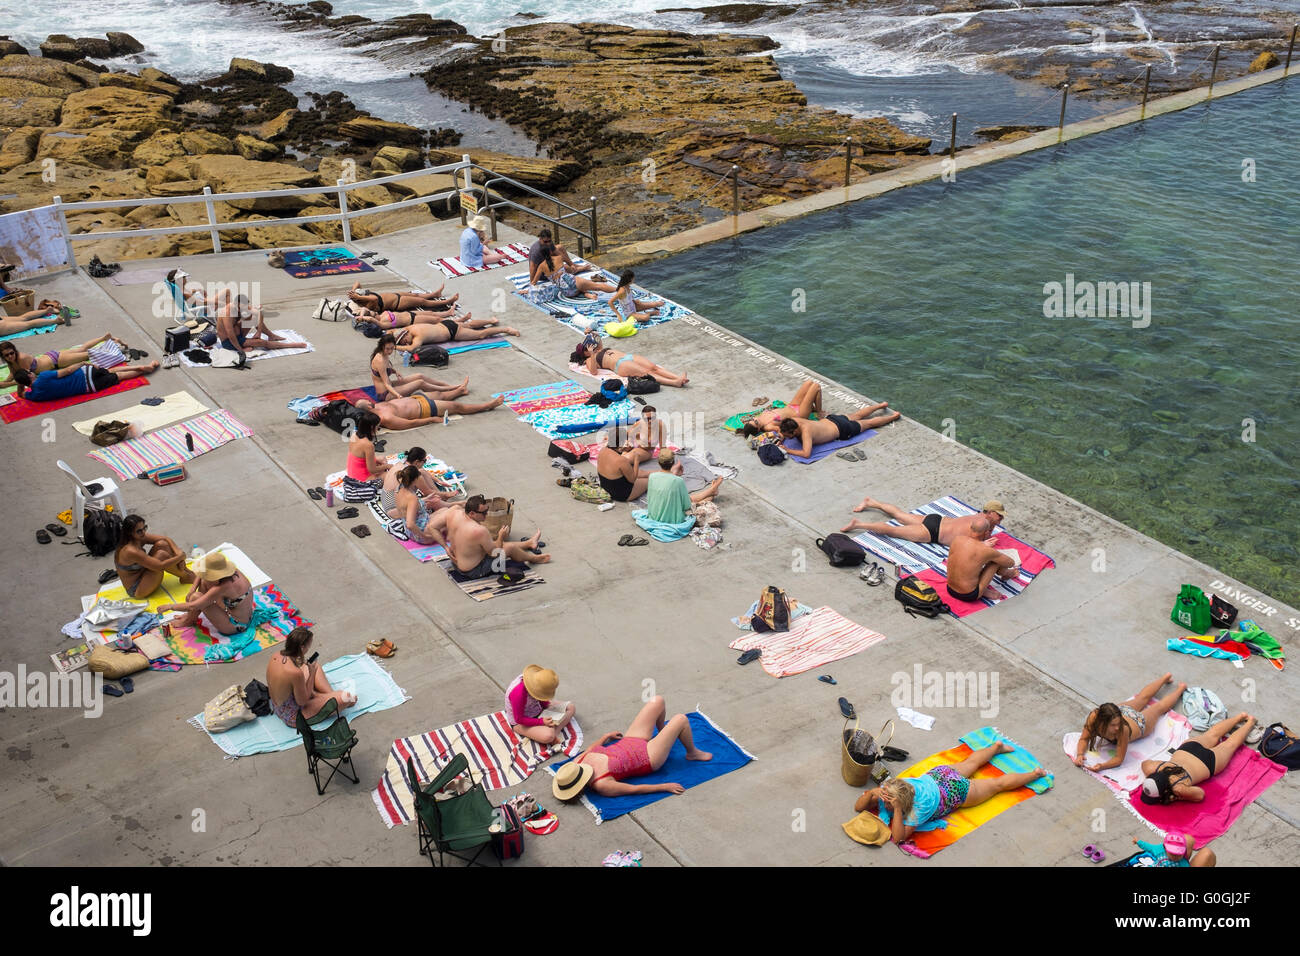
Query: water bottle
pixel 195 552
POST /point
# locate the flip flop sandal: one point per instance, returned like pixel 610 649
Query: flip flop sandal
pixel 56 529
pixel 381 444
pixel 108 574
pixel 859 454
pixel 760 401
pixel 367 255
pixel 845 455
pixel 379 262
pixel 128 685
pixel 361 531
pixel 388 644
pixel 847 709
pixel 749 656
pixel 378 649
pixel 348 512
pixel 624 541
pixel 893 754
pixel 321 491
pixel 638 543
pixel 111 690
pixel 310 422
pixel 43 536
pixel 827 679
pixel 313 494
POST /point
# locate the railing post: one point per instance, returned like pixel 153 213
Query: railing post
pixel 343 210
pixel 559 211
pixel 67 236
pixel 1214 68
pixel 469 186
pixel 952 143
pixel 848 159
pixel 212 219
pixel 1289 50
pixel 1146 87
pixel 1060 126
pixel 735 192
pixel 492 218
pixel 593 225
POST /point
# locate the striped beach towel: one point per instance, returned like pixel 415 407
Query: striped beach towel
pixel 516 252
pixel 813 640
pixel 107 355
pixel 174 407
pixel 167 445
pixel 914 557
pixel 498 758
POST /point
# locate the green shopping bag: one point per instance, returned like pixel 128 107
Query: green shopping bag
pixel 1192 609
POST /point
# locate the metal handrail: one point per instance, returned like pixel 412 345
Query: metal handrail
pixel 491 205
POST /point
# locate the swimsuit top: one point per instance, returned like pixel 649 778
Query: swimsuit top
pixel 126 567
pixel 600 358
pixel 232 603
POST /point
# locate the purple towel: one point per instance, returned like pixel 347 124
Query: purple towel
pixel 792 446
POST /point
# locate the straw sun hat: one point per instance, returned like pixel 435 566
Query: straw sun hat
pixel 213 567
pixel 540 682
pixel 570 780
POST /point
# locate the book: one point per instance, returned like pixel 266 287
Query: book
pixel 556 710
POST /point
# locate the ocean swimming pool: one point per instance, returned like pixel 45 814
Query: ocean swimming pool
pixel 1179 416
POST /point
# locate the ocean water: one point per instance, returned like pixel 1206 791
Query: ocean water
pixel 934 298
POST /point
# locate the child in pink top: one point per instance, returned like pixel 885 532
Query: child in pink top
pixel 527 697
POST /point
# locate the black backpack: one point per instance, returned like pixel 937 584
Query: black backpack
pixel 642 385
pixel 336 414
pixel 919 598
pixel 843 551
pixel 430 354
pixel 99 531
pixel 258 697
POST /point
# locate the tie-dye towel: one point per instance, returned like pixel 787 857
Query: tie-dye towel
pixel 498 758
pixel 563 422
pixel 168 446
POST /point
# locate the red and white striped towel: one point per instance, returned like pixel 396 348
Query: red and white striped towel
pixel 167 445
pixel 497 757
pixel 452 267
pixel 813 640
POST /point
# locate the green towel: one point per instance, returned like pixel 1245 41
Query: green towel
pixel 736 422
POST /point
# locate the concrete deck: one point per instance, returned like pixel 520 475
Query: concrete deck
pixel 123 789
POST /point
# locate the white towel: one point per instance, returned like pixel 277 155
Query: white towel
pixel 917 719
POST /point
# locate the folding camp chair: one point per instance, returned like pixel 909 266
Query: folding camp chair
pixel 331 746
pixel 459 822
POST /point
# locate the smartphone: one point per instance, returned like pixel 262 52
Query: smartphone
pixel 312 659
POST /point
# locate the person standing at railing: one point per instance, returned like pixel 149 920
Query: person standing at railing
pixel 472 252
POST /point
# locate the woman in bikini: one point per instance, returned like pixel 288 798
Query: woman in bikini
pixel 141 558
pixel 1195 762
pixel 297 685
pixel 808 398
pixel 400 301
pixel 221 592
pixel 373 324
pixel 364 466
pixel 448 330
pixel 389 384
pixel 1121 724
pixel 569 283
pixel 643 748
pixel 597 357
pixel 423 485
pixel 47 315
pixel 626 306
pixel 53 359
pixel 423 525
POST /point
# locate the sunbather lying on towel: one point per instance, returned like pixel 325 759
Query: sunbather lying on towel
pixel 30 320
pixel 634 753
pixel 475 553
pixel 400 301
pixel 373 324
pixel 927 529
pixel 410 338
pixel 833 427
pixel 221 593
pixel 141 558
pixel 905 803
pixel 241 328
pixel 412 411
pixel 807 400
pixel 53 359
pixel 81 379
pixel 423 485
pixel 972 564
pixel 296 685
pixel 1121 724
pixel 1195 762
pixel 389 384
pixel 528 697
pixel 596 357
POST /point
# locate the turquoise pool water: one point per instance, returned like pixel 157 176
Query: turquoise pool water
pixel 934 298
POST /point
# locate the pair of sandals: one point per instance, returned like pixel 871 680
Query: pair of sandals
pixel 345 513
pixel 855 454
pixel 627 541
pixel 384 648
pixel 43 534
pixel 317 493
pixel 128 686
pixel 1094 853
pixel 373 260
pixel 873 574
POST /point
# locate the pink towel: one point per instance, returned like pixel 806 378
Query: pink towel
pixel 1032 561
pixel 813 640
pixel 940 584
pixel 1247 775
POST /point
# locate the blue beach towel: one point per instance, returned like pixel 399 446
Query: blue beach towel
pixel 1183 646
pixel 1019 760
pixel 476 346
pixel 359 673
pixel 39 330
pixel 727 756
pixel 662 530
pixel 792 446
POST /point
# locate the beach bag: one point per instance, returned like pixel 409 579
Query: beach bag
pixel 176 340
pixel 19 301
pixel 566 450
pixel 501 512
pixel 335 414
pixel 773 612
pixel 642 385
pixel 842 550
pixel 1222 614
pixel 1202 708
pixel 918 598
pixel 354 490
pixel 1191 609
pixel 115 664
pixel 109 433
pixel 258 697
pixel 429 354
pixel 1281 746
pixel 332 310
pixel 227 710
pixel 99 530
pixel 613 389
pixel 621 330
pixel 275 259
pixel 507 833
pixel 590 492
pixel 166 474
pixel 859 753
pixel 771 454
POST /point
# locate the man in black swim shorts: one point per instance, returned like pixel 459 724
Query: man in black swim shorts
pixel 972 564
pixel 923 529
pixel 475 553
pixel 809 431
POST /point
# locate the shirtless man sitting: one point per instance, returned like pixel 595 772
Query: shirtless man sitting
pixel 475 553
pixel 240 328
pixel 923 529
pixel 650 432
pixel 972 564
pixel 833 427
pixel 619 471
pixel 412 411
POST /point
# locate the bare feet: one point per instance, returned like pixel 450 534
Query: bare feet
pixel 1003 747
pixel 509 331
pixel 153 366
pixel 496 402
pixel 854 525
pixel 699 755
pixel 868 504
pixel 437 293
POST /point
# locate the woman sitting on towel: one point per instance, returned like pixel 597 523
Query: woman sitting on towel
pixel 1121 724
pixel 295 684
pixel 1195 762
pixel 423 525
pixel 626 306
pixel 75 380
pixel 807 401
pixel 400 301
pixel 364 466
pixel 423 485
pixel 597 357
pixel 221 593
pixel 635 753
pixel 53 359
pixel 412 336
pixel 141 558
pixel 897 808
pixel 570 283
pixel 527 699
pixel 389 384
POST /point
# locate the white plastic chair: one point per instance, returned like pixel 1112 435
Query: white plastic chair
pixel 83 496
